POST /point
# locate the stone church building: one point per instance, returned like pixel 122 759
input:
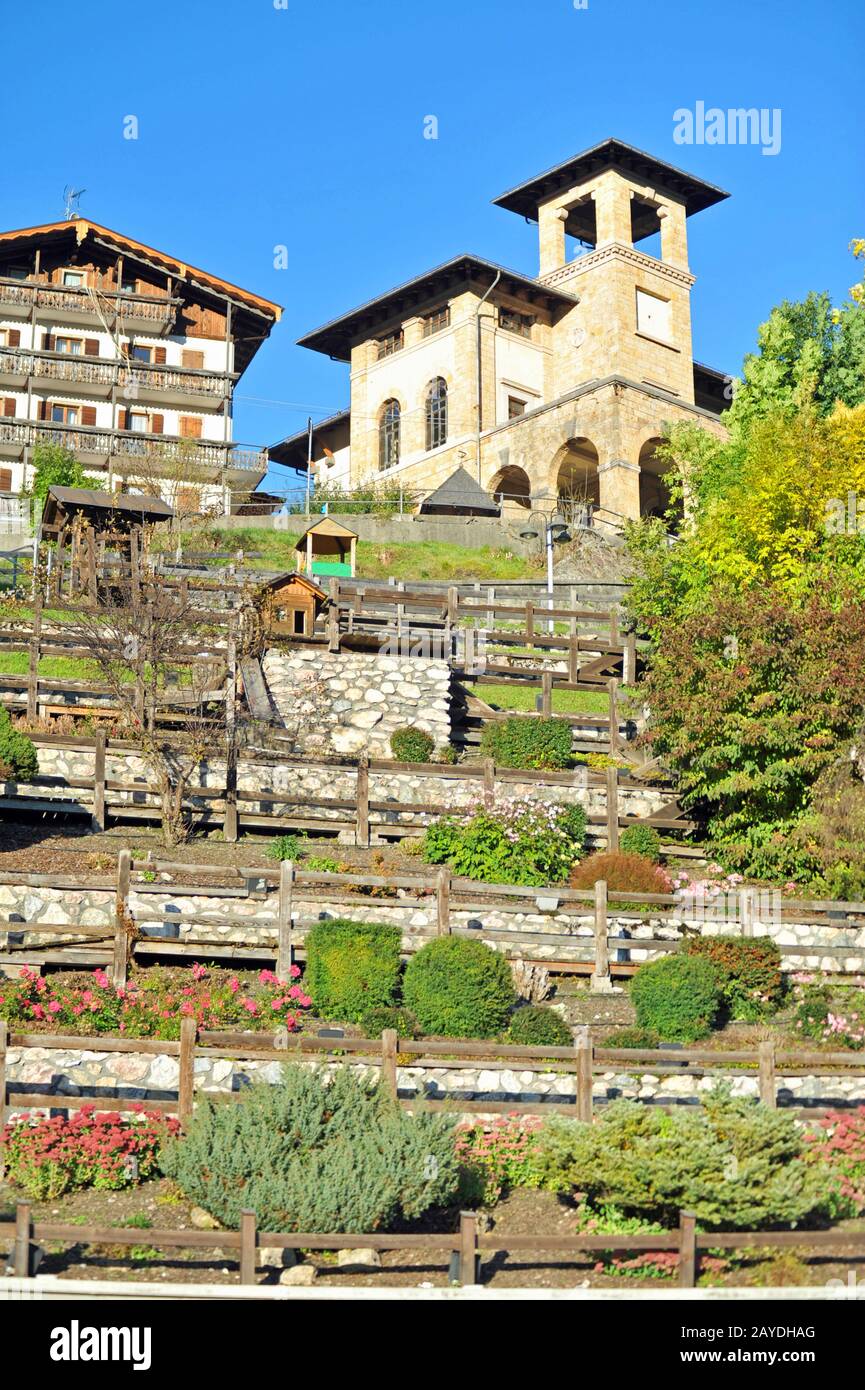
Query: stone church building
pixel 546 389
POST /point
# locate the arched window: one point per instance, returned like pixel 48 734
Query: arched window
pixel 436 413
pixel 388 435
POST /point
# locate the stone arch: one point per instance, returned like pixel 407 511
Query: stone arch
pixel 654 489
pixel 574 479
pixel 512 485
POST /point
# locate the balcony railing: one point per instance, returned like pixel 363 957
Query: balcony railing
pixel 130 446
pixel 64 367
pixel 27 294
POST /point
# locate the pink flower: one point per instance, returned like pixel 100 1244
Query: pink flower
pixel 54 1007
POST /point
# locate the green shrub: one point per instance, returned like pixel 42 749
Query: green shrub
pixel 641 839
pixel 632 1037
pixel 536 1025
pixel 411 745
pixel 677 997
pixel 748 972
pixel 624 873
pixel 322 864
pixel 308 1156
pixel 459 988
pixel 17 752
pixel 351 967
pixel 731 1161
pixel 528 742
pixel 375 1021
pixel 284 847
pixel 515 841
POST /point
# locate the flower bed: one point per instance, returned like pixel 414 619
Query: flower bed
pixel 49 1156
pixel 154 1002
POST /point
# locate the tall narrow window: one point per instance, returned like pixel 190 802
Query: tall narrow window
pixel 436 413
pixel 388 435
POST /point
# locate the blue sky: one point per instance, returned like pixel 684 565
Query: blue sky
pixel 303 125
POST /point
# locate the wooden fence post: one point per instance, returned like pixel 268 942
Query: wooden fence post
pixel 614 628
pixel 547 694
pixel 248 1246
pixel 468 1247
pixel 746 911
pixel 121 917
pixel 601 974
pixel 361 834
pixel 530 621
pixel 286 892
pixel 766 1055
pixel 333 616
pixel 615 740
pixel 33 662
pixel 23 1238
pixel 469 656
pixel 443 901
pixel 4 1040
pixel 99 781
pixel 585 1052
pixel 612 779
pixel 687 1250
pixel 229 816
pixel 573 657
pixel 388 1061
pixel 186 1079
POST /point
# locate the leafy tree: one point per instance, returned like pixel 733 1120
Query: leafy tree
pixel 56 466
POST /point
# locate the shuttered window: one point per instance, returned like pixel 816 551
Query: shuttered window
pixel 190 427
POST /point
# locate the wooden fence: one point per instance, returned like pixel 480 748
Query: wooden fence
pixel 465 1248
pixel 234 807
pixel 280 934
pixel 584 1061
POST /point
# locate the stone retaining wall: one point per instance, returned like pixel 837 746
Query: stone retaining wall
pixel 303 783
pixel 61 1072
pixel 94 907
pixel 343 702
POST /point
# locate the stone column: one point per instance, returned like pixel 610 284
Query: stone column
pixel 551 234
pixel 674 234
pixel 612 198
pixel 619 483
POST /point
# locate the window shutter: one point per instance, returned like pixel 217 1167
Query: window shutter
pixel 191 357
pixel 14 337
pixel 123 421
pixel 190 427
pixel 47 342
pixel 159 356
pixel 44 410
pixel 9 406
pixel 91 347
pixel 157 424
pixel 5 479
pixel 88 415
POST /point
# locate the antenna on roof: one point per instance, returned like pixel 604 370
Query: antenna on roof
pixel 70 198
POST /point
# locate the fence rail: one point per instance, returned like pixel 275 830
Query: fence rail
pixel 464 1247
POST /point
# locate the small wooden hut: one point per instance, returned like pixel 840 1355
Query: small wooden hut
pixel 290 604
pixel 88 522
pixel 327 548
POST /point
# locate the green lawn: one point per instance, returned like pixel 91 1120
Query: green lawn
pixel 522 698
pixel 379 559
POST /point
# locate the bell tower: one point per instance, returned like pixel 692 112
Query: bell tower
pixel 633 316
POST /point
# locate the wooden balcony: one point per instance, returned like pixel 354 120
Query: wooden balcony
pixel 97 377
pixel 207 460
pixel 146 313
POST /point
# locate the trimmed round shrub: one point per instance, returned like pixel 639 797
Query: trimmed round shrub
pixel 537 1025
pixel 375 1021
pixel 410 745
pixel 641 839
pixel 351 967
pixel 459 988
pixel 624 873
pixel 677 997
pixel 524 741
pixel 312 1155
pixel 17 752
pixel 748 972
